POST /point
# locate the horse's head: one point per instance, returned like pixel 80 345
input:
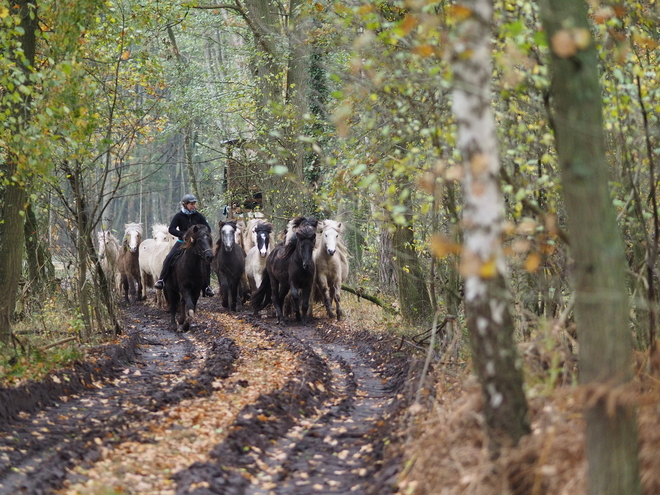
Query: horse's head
pixel 306 239
pixel 160 233
pixel 198 238
pixel 296 224
pixel 227 234
pixel 132 236
pixel 262 233
pixel 330 231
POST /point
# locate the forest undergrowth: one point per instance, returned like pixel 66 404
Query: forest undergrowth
pixel 447 452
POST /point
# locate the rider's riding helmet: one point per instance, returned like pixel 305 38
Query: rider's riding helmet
pixel 188 198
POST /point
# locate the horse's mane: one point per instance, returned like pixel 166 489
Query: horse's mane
pixel 302 233
pixel 297 223
pixel 191 234
pixel 264 227
pixel 129 227
pixel 158 228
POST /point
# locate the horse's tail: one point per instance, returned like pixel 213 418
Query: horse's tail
pixel 262 297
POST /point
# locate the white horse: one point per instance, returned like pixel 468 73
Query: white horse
pixel 152 253
pixel 248 233
pixel 108 256
pixel 331 260
pixel 255 260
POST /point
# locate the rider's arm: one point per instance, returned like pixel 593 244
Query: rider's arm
pixel 174 227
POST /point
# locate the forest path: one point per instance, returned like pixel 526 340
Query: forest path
pixel 236 405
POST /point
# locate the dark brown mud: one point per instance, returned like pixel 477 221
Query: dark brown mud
pixel 328 430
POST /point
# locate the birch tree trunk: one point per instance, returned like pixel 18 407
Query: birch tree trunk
pixel 601 304
pixel 487 299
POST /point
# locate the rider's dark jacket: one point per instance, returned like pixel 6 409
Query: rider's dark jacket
pixel 182 221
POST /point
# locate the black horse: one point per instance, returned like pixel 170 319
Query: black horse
pixel 189 274
pixel 289 267
pixel 229 264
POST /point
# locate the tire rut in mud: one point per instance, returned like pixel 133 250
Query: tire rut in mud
pixel 326 431
pixel 37 448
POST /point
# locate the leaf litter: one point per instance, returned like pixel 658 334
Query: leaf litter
pixel 187 432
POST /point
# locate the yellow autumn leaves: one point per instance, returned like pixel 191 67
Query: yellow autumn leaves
pixel 567 42
pixel 520 244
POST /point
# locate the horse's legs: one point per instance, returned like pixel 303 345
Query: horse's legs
pixel 278 299
pixel 224 289
pixel 143 280
pixel 295 297
pixel 188 310
pixel 305 294
pixel 131 288
pixel 336 296
pixel 140 297
pixel 172 297
pixel 325 293
pixel 124 287
pixel 233 293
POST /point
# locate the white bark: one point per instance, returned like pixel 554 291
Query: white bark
pixel 483 267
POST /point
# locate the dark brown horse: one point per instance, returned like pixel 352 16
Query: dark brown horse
pixel 128 264
pixel 189 274
pixel 229 264
pixel 289 267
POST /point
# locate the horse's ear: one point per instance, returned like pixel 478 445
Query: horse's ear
pixel 220 224
pixel 339 226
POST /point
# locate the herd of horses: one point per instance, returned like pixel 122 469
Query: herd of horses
pixel 310 263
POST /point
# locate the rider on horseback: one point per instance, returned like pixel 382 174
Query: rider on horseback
pixel 187 217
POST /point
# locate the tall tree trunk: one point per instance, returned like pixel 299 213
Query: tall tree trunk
pixel 11 243
pixel 189 153
pixel 297 98
pixel 487 300
pixel 601 305
pixel 39 261
pixel 413 293
pixel 387 275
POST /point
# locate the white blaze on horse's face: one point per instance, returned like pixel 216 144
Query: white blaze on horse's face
pixel 227 233
pixel 133 240
pixel 262 243
pixel 330 240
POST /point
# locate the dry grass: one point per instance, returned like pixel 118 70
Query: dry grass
pixel 447 450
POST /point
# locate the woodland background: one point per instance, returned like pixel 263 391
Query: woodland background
pixel 111 111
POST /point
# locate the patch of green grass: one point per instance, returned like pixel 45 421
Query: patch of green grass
pixel 45 340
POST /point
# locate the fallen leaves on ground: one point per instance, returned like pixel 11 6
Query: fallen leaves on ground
pixel 187 432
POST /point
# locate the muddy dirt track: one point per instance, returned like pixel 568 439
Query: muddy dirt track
pixel 324 420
